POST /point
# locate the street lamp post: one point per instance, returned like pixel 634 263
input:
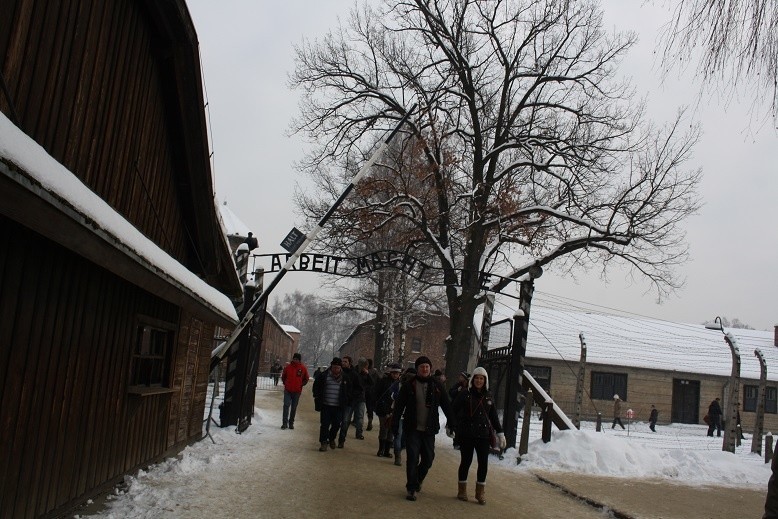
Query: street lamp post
pixel 730 431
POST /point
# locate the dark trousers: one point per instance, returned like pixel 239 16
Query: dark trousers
pixel 715 423
pixel 617 420
pixel 331 417
pixel 290 407
pixel 466 448
pixel 420 449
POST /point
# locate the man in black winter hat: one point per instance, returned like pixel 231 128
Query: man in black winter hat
pixel 418 403
pixel 328 398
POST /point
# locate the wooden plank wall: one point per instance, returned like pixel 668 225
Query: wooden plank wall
pixel 87 81
pixel 67 423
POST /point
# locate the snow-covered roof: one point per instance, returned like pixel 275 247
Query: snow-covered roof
pixel 58 183
pixel 232 224
pixel 288 328
pixel 636 342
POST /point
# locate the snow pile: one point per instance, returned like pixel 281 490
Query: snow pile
pixel 602 454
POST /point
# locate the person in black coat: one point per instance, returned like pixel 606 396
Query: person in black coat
pixel 386 390
pixel 714 413
pixel 652 418
pixel 355 401
pixel 476 417
pixel 461 386
pixel 329 397
pixel 418 404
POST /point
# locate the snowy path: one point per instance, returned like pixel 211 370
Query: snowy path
pixel 267 472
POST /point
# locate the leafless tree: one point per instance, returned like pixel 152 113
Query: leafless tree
pixel 323 328
pixel 394 298
pixel 737 39
pixel 526 151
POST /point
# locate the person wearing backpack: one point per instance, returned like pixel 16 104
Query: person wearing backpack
pixel 385 390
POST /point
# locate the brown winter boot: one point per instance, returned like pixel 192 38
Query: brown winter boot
pixel 462 491
pixel 480 496
pixel 323 447
pixel 398 458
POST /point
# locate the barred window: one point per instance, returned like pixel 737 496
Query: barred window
pixel 750 398
pixel 151 357
pixel 416 345
pixel 606 385
pixel 771 400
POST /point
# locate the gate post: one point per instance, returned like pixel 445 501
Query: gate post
pixel 518 350
pixel 524 444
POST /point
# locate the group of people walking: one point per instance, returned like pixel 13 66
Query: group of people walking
pixel 407 406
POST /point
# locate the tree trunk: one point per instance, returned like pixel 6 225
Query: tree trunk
pixel 461 329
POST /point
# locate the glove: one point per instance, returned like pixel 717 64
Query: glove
pixel 501 439
pixel 449 432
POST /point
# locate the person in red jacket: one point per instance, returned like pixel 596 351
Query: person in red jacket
pixel 294 377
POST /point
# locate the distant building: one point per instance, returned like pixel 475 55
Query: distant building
pixel 427 338
pixel 679 368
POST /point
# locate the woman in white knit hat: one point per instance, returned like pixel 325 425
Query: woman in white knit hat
pixel 476 417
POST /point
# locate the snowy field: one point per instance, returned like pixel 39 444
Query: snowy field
pixel 678 453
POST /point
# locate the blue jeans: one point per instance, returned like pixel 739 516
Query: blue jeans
pixel 399 440
pixel 356 411
pixel 290 401
pixel 420 449
pixel 331 417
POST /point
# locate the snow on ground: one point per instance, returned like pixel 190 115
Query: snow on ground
pixel 680 454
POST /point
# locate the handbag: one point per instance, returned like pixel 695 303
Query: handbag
pixel 494 442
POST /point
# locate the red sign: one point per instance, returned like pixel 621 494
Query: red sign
pixel 630 414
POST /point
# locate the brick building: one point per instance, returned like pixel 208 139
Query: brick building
pixel 427 338
pixel 680 368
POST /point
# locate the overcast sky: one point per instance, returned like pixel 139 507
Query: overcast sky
pixel 246 51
